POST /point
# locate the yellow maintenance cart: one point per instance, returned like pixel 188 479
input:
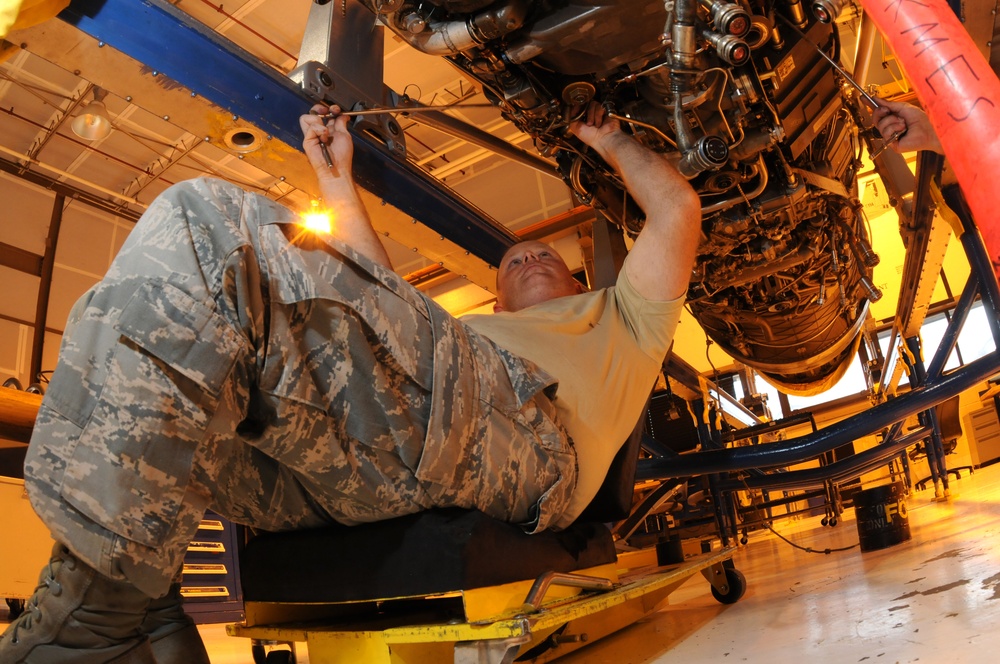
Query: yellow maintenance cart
pixel 499 595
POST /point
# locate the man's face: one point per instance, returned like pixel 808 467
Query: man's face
pixel 530 273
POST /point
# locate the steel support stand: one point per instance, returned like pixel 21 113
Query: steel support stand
pixel 710 442
pixel 927 418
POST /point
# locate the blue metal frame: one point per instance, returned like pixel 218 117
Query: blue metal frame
pixel 171 42
pixel 931 388
pixel 796 450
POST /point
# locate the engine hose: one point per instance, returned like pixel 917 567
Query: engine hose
pixel 453 37
pixel 960 94
pixel 859 247
pixel 682 129
pixel 684 36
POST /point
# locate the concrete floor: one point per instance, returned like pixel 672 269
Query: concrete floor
pixel 935 598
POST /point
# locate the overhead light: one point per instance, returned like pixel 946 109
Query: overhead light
pixel 93 123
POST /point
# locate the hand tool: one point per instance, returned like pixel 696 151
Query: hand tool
pixel 404 109
pixel 886 142
pixel 326 117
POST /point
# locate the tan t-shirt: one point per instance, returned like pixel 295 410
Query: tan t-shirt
pixel 606 349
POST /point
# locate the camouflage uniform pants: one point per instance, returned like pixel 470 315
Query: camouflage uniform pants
pixel 230 360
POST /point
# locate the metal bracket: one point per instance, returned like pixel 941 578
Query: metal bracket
pixel 490 651
pixel 340 62
pixel 716 575
pixel 537 593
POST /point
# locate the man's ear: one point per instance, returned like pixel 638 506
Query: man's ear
pixel 497 307
pixel 580 288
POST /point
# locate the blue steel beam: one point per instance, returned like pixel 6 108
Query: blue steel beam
pixel 173 43
pixel 802 448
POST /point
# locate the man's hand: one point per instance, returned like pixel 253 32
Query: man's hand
pixel 664 251
pixel 318 132
pixel 892 117
pixel 597 131
pixel 351 223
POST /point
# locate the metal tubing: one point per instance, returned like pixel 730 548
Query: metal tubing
pixel 406 110
pixel 45 288
pixel 853 466
pixel 784 501
pixel 465 131
pixel 812 445
pixel 935 444
pixel 918 377
pixel 975 251
pixel 708 442
pixel 770 427
pixel 950 337
pixel 865 49
pixel 537 593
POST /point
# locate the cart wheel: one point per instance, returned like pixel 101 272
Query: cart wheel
pixel 833 521
pixel 259 656
pixel 737 586
pixel 15 607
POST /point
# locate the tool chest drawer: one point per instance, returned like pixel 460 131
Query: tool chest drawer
pixel 210 583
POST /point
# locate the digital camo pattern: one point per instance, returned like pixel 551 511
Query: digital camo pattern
pixel 228 360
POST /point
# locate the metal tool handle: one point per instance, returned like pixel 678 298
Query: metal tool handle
pixel 406 109
pixel 542 583
pixel 857 86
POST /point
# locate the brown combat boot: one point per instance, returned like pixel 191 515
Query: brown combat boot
pixel 78 616
pixel 173 636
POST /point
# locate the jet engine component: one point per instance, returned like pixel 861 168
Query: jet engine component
pixel 765 129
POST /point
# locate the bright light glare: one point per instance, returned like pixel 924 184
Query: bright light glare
pixel 317 221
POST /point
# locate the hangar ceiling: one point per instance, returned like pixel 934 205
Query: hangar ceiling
pixel 164 133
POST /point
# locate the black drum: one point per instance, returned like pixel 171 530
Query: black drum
pixel 881 515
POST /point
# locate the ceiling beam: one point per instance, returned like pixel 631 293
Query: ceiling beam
pixel 20 259
pixel 55 186
pixel 171 42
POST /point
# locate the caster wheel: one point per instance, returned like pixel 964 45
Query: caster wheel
pixel 737 586
pixel 833 522
pixel 744 540
pixel 825 521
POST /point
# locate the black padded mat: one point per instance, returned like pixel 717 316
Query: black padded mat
pixel 431 552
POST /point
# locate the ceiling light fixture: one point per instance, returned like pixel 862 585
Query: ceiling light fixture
pixel 93 123
pixel 244 140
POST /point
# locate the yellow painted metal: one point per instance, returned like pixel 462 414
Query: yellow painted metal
pixel 482 604
pixel 372 648
pixel 643 588
pixel 27 541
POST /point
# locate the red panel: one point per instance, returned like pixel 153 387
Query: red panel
pixel 960 93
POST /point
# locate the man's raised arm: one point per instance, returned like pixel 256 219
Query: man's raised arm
pixel 664 252
pixel 351 223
